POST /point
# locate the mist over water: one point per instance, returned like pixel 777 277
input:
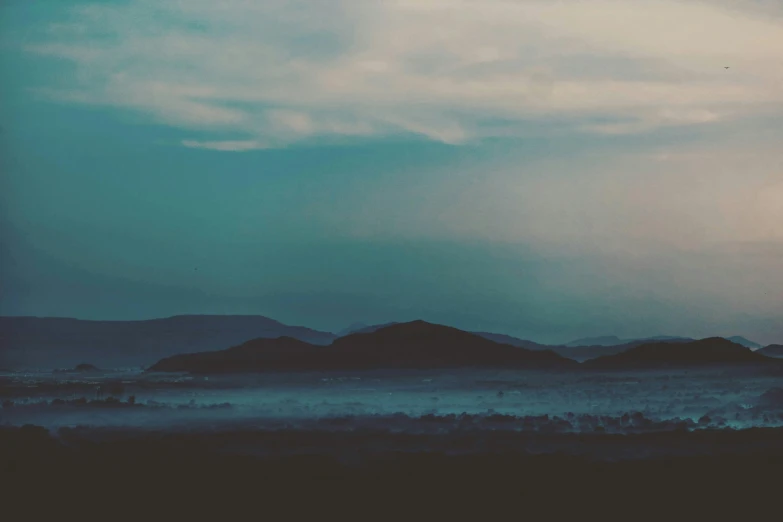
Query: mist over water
pixel 525 400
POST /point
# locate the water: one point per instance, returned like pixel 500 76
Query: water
pixel 717 398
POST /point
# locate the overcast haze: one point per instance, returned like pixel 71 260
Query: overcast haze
pixel 545 169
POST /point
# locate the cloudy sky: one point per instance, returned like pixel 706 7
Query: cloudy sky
pixel 547 169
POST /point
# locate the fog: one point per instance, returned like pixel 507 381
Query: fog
pixel 410 401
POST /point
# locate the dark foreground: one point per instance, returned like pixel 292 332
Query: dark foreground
pixel 376 474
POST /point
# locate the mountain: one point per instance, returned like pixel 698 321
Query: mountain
pixel 581 352
pixel 607 340
pixel 412 345
pixel 363 328
pixel 714 350
pixel 585 353
pixel 283 353
pixel 613 340
pixel 353 327
pixel 773 350
pixel 419 344
pixel 744 342
pixel 29 342
pixel 513 341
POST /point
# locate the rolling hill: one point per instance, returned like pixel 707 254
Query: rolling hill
pixel 710 351
pixel 413 345
pixel 773 350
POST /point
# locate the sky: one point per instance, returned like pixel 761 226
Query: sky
pixel 545 169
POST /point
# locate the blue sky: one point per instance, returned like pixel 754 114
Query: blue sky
pixel 545 169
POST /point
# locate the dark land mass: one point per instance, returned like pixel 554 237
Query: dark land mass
pixel 606 340
pixel 582 352
pixel 414 345
pixel 83 368
pixel 366 328
pixel 613 340
pixel 29 342
pixel 422 345
pixel 714 350
pixel 475 475
pixel 773 350
pixel 515 341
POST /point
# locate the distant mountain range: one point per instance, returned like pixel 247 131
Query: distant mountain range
pixel 29 342
pixel 423 345
pixel 413 345
pixel 364 328
pixel 583 352
pixel 580 349
pixel 714 350
pixel 613 340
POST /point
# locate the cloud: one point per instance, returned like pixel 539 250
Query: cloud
pixel 233 146
pixel 281 71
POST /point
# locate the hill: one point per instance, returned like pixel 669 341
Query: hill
pixel 29 342
pixel 283 353
pixel 581 352
pixel 353 327
pixel 413 345
pixel 364 328
pixel 613 340
pixel 585 353
pixel 607 340
pixel 744 342
pixel 714 350
pixel 514 341
pixel 773 350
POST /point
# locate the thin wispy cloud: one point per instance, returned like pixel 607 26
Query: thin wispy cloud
pixel 233 146
pixel 276 72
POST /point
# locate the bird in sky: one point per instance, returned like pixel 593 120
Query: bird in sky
pixel 725 67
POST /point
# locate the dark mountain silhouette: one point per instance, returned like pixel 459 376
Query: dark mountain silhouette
pixel 423 344
pixel 585 353
pixel 283 353
pixel 613 340
pixel 353 327
pixel 416 344
pixel 607 340
pixel 27 342
pixel 773 350
pixel 363 328
pixel 714 350
pixel 578 352
pixel 744 342
pixel 514 341
pixel 80 368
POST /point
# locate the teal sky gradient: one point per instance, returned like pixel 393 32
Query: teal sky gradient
pixel 125 194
